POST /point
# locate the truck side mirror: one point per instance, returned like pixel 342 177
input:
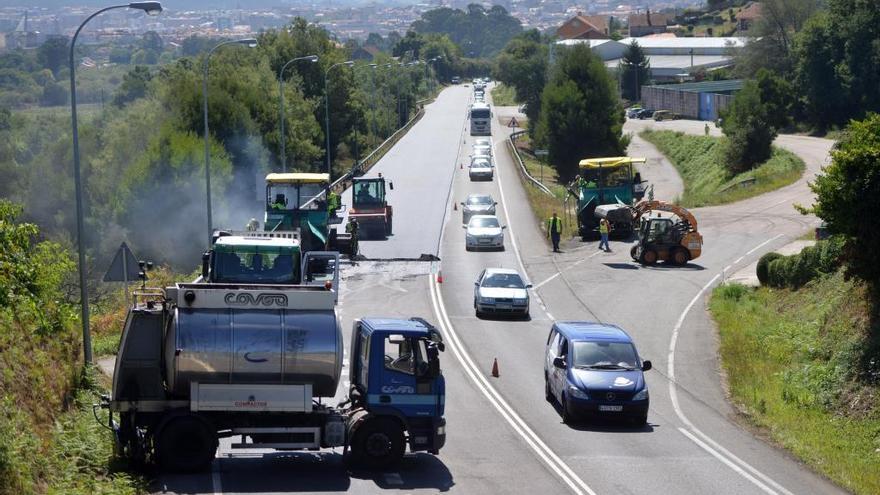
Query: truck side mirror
pixel 559 362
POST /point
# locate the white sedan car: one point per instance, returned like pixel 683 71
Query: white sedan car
pixel 481 169
pixel 482 149
pixel 501 291
pixel 482 141
pixel 484 231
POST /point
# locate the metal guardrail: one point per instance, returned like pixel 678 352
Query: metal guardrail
pixel 748 181
pixel 371 159
pixel 522 165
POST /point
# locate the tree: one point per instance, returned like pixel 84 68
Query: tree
pixel 119 55
pixel 747 127
pixel 54 94
pixel 53 54
pixel 522 65
pixel 848 197
pixel 134 85
pixel 152 41
pixel 635 71
pixel 477 31
pixel 771 45
pixel 581 115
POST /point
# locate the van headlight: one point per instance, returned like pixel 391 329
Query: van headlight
pixel 577 393
pixel 641 394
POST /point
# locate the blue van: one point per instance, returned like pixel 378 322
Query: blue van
pixel 593 369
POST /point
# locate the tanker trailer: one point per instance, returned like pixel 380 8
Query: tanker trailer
pixel 202 361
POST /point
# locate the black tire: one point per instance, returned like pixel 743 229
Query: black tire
pixel 680 257
pixel 548 394
pixel 186 444
pixel 649 257
pixel 567 417
pixel 633 253
pixel 389 227
pixel 640 420
pixel 378 444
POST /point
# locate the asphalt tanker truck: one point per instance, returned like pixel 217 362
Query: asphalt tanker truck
pixel 253 358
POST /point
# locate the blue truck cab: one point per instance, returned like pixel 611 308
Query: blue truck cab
pixel 397 383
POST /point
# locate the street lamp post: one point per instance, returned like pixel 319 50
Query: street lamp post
pixel 312 58
pixel 249 42
pixel 348 63
pixel 151 8
pixel 357 154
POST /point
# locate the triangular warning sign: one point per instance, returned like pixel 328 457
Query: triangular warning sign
pixel 513 123
pixel 124 267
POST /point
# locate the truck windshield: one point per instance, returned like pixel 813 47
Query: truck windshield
pixel 251 266
pixel 616 177
pixel 608 355
pixel 480 113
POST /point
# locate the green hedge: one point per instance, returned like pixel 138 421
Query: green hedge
pixel 796 270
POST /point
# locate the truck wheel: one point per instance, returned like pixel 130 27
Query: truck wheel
pixel 633 253
pixel 649 257
pixel 389 228
pixel 186 444
pixel 378 444
pixel 680 257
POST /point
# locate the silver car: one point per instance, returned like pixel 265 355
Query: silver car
pixel 481 169
pixel 501 291
pixel 482 141
pixel 482 149
pixel 477 204
pixel 484 231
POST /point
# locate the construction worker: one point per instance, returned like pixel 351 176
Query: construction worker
pixel 706 129
pixel 604 227
pixel 554 231
pixel 280 202
pixel 352 228
pixel 332 203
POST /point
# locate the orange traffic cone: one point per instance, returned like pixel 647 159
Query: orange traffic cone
pixel 495 368
pixel 439 277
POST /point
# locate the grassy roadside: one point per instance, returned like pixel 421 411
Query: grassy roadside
pixel 706 181
pixel 792 360
pixel 503 96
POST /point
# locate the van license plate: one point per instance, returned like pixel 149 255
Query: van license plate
pixel 611 408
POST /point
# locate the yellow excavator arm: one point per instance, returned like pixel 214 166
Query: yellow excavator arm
pixel 648 206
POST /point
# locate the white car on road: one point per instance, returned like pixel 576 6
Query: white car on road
pixel 484 231
pixel 481 168
pixel 482 149
pixel 501 291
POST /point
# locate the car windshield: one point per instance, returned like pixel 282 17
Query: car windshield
pixel 605 355
pixel 483 223
pixel 480 163
pixel 505 280
pixel 479 200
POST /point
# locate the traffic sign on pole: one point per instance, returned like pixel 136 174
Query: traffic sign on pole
pixel 513 123
pixel 123 268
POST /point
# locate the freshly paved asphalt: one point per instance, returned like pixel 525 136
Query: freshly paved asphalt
pixel 695 447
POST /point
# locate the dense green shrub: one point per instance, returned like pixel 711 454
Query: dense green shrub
pixel 796 270
pixel 763 263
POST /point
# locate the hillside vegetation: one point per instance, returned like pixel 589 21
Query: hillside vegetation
pixel 798 365
pixel 49 441
pixel 699 160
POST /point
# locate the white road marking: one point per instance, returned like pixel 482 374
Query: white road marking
pixel 576 263
pixel 544 452
pixel 759 246
pixel 707 444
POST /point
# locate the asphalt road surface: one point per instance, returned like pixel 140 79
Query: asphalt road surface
pixel 503 437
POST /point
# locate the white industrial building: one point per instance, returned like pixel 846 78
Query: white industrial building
pixel 670 58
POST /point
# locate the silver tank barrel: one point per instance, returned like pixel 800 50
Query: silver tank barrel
pixel 253 346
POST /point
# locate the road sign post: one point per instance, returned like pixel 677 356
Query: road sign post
pixel 123 268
